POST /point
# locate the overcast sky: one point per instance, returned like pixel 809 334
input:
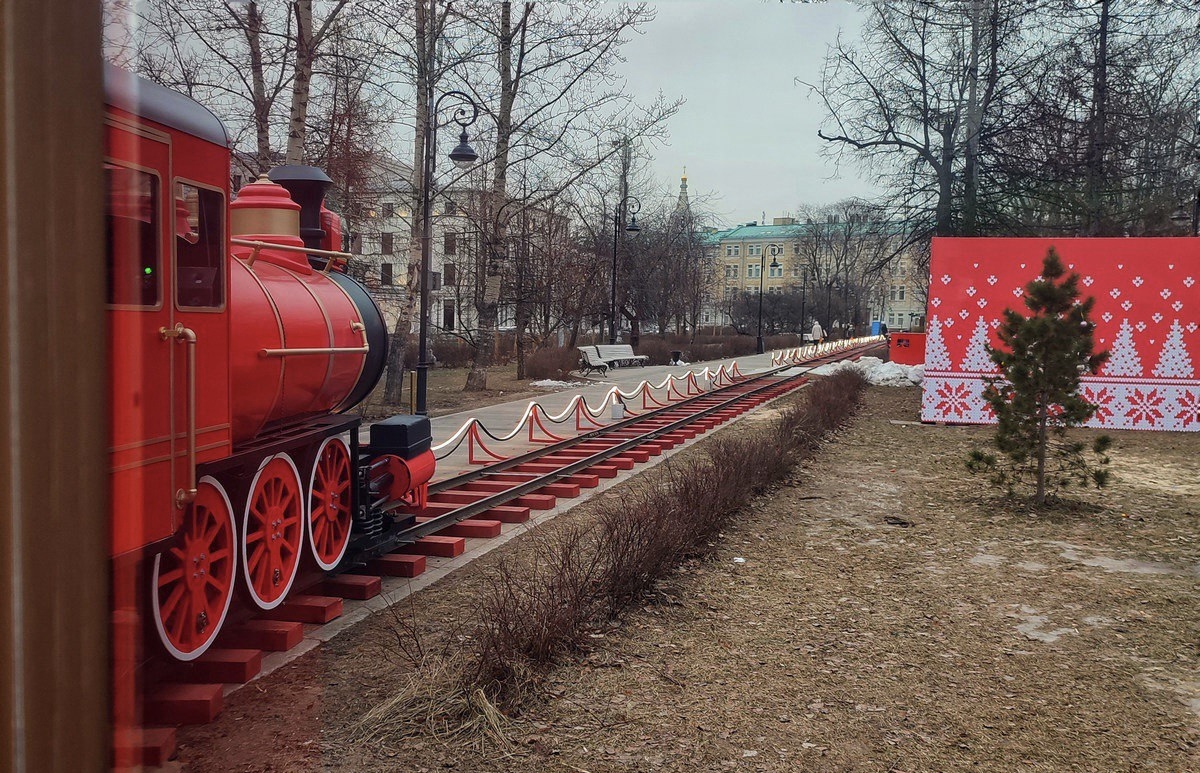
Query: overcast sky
pixel 747 133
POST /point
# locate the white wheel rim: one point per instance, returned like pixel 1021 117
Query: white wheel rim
pixel 175 652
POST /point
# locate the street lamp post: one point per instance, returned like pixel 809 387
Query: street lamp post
pixel 635 207
pixel 775 250
pixel 463 157
pixel 803 302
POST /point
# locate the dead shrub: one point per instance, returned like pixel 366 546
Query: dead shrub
pixel 555 362
pixel 541 605
pixel 536 608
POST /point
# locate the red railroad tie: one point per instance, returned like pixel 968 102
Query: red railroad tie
pixel 560 489
pixel 398 565
pixel 536 501
pixel 184 704
pixel 269 635
pixel 307 609
pixel 477 528
pixel 440 547
pixel 359 587
pixel 230 666
pixel 148 746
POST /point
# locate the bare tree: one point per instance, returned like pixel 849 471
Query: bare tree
pixel 548 94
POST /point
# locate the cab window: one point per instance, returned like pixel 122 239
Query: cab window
pixel 199 246
pixel 131 215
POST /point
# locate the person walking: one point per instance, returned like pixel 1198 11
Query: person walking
pixel 818 335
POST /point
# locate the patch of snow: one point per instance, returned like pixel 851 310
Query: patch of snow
pixel 549 383
pixel 877 371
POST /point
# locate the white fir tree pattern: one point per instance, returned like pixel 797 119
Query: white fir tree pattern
pixel 1123 359
pixel 936 355
pixel 1174 361
pixel 977 359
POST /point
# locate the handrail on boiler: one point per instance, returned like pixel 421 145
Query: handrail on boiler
pixel 343 257
pixel 356 326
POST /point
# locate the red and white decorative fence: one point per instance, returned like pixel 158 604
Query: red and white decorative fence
pixel 1147 316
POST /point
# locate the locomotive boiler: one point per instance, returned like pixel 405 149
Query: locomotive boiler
pixel 237 345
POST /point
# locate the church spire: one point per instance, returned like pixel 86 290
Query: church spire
pixel 683 207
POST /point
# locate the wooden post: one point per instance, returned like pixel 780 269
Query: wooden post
pixel 54 561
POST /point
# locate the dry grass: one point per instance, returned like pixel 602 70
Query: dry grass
pixel 545 603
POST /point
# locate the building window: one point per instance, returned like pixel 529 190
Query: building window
pixel 795 271
pixel 448 314
pixel 900 294
pixel 892 293
pixel 775 272
pixel 450 208
pixel 796 248
pixel 389 209
pixel 385 274
pixel 754 250
pixel 451 273
pixel 450 243
pixel 733 250
pixel 731 271
pixel 435 280
pixel 772 291
pixel 356 243
pixel 753 270
pixel 385 243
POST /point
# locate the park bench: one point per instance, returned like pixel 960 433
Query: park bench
pixel 620 354
pixel 589 360
pixel 605 356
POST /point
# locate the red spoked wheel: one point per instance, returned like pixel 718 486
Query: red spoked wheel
pixel 193 580
pixel 273 532
pixel 329 503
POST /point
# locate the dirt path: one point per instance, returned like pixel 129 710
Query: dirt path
pixel 977 638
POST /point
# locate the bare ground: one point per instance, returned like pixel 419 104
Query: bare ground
pixel 977 637
pixel 445 392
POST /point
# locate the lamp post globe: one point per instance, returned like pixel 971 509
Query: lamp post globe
pixel 463 156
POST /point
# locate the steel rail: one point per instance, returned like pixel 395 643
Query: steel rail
pixel 439 522
pixel 390 542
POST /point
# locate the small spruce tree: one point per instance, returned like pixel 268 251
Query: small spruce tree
pixel 1035 397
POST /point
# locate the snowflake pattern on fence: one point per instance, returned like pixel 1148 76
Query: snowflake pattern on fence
pixel 1189 409
pixel 1147 296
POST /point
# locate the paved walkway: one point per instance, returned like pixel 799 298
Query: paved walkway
pixel 500 419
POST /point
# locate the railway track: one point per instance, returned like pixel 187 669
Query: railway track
pixel 475 505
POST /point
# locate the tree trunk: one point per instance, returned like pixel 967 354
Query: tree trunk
pixel 944 225
pixel 486 305
pixel 301 79
pixel 402 331
pixel 1098 129
pixel 258 87
pixel 974 123
pixel 1041 456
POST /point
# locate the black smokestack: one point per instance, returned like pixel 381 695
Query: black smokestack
pixel 307 186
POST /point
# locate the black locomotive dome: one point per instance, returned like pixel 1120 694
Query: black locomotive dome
pixel 160 104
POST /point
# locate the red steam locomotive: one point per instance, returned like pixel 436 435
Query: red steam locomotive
pixel 237 344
